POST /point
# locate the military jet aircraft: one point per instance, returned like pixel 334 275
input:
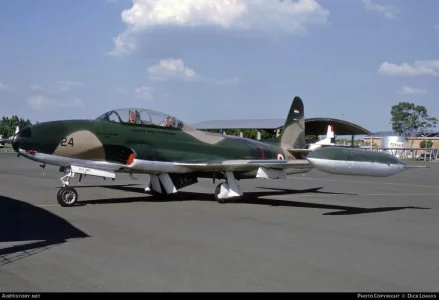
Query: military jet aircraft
pixel 175 155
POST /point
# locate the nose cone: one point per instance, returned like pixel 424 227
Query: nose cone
pixel 15 144
pixel 21 138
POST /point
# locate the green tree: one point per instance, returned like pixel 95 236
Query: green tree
pixel 311 138
pixel 426 144
pixel 250 133
pixel 247 133
pixel 8 125
pixel 409 119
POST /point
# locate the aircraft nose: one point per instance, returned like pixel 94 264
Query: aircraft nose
pixel 21 136
pixel 15 144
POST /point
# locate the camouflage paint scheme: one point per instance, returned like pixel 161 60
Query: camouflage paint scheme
pixel 104 140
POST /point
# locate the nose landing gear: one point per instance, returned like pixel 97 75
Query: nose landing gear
pixel 67 196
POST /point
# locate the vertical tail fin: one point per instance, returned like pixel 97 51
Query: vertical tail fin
pixel 330 136
pixel 293 133
pixel 328 140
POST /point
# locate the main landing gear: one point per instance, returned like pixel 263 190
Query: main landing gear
pixel 163 186
pixel 228 189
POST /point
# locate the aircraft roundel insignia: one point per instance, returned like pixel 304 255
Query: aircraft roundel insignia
pixel 279 156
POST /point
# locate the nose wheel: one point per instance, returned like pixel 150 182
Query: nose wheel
pixel 67 196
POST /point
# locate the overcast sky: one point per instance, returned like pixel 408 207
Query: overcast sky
pixel 218 59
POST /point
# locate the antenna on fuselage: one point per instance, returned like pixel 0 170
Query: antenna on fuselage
pixel 43 166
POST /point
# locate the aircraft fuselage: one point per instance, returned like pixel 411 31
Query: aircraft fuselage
pixel 114 142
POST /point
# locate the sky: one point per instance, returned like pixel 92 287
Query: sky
pixel 218 59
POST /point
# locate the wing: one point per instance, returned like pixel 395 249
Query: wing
pixel 156 167
pixel 273 169
pixel 246 165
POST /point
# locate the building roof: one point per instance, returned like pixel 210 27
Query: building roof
pixel 319 126
pixel 430 134
pixel 313 126
pixel 392 133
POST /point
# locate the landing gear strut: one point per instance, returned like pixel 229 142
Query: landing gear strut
pixel 67 196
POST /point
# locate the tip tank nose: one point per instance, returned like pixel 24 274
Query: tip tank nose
pixel 353 161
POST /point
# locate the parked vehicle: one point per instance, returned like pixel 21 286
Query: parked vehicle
pixel 426 156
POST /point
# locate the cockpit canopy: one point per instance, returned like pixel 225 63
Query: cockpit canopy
pixel 142 116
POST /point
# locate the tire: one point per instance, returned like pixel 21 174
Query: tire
pixel 67 197
pixel 163 195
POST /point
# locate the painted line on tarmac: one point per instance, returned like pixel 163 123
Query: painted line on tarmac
pixel 359 195
pixel 399 195
pixel 368 182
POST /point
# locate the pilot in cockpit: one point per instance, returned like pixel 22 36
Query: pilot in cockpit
pixel 169 121
pixel 131 116
pixel 134 117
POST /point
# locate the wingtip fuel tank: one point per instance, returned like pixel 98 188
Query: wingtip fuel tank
pixel 352 161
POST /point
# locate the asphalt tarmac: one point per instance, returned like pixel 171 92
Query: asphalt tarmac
pixel 312 233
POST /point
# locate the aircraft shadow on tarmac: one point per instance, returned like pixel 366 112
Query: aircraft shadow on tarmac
pixel 247 198
pixel 34 229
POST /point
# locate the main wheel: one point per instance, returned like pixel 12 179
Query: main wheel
pixel 158 195
pixel 67 196
pixel 217 192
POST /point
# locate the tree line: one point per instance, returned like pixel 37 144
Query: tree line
pixel 8 125
pixel 247 133
pixel 409 119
